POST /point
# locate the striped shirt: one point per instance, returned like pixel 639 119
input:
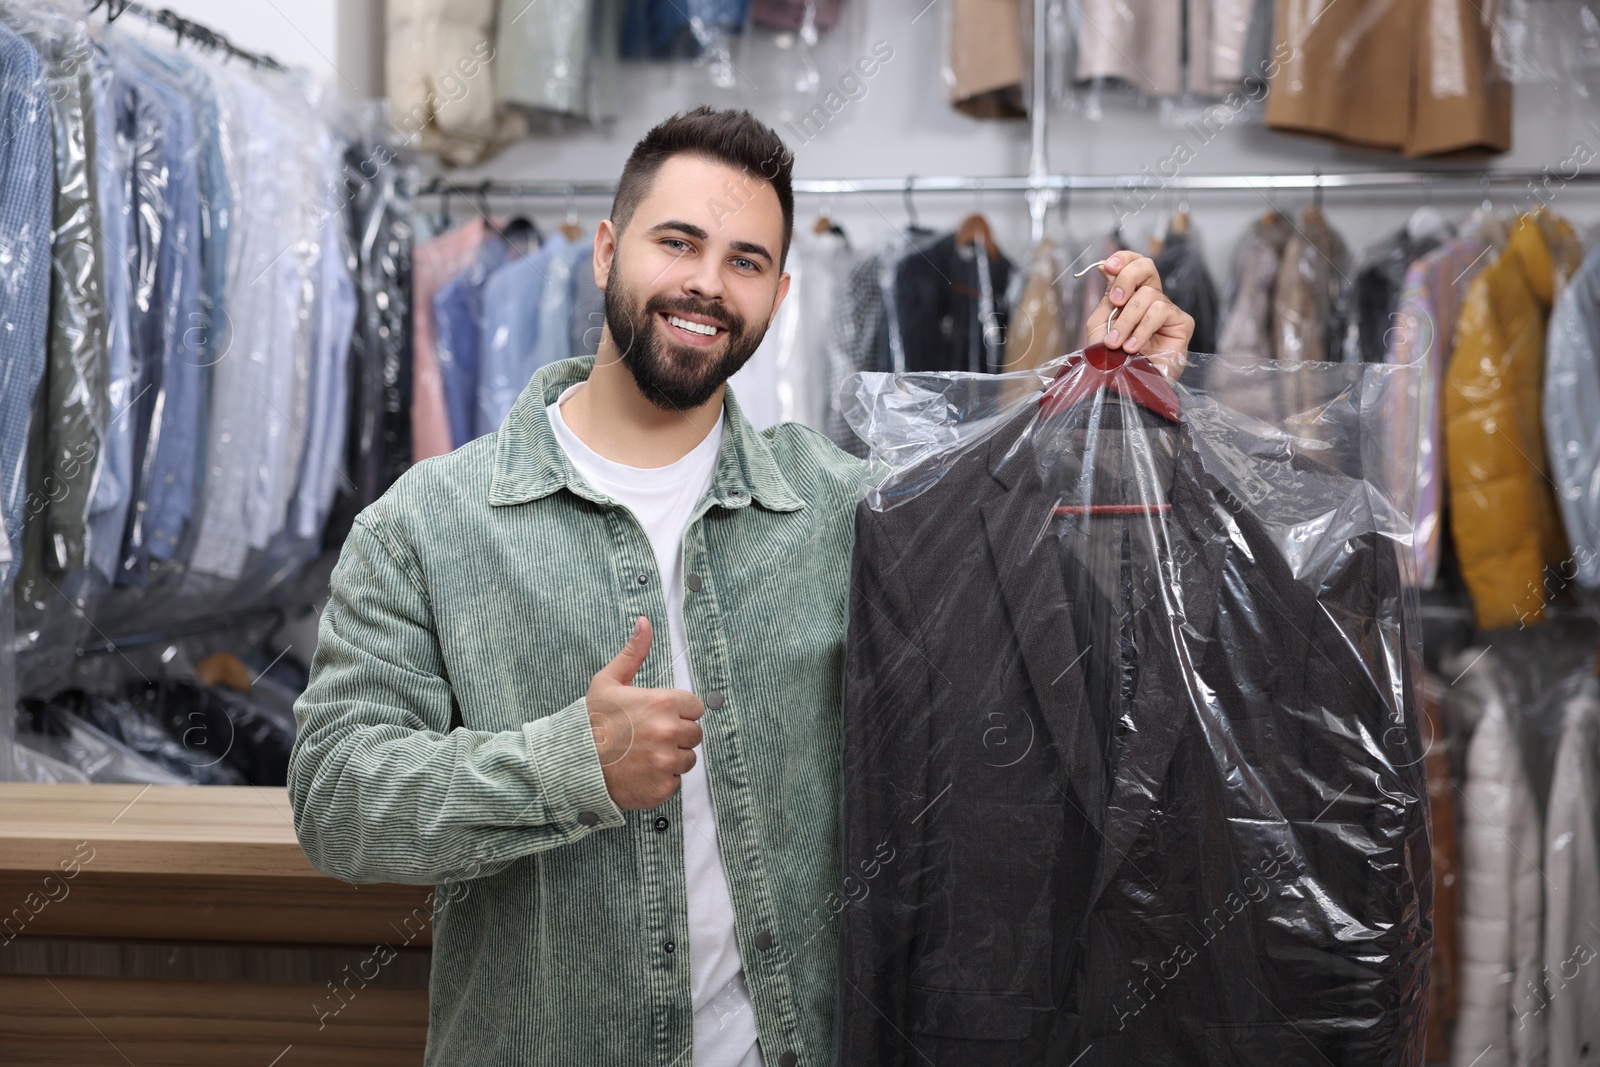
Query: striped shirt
pixel 443 738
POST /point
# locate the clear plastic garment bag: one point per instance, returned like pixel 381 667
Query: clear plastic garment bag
pixel 1132 758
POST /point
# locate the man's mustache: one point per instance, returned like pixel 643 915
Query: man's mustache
pixel 669 305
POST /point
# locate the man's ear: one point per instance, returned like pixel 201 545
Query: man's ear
pixel 777 302
pixel 605 250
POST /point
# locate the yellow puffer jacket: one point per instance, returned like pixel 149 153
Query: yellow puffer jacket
pixel 1502 513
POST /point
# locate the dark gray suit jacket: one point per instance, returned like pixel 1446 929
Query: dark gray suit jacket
pixel 1236 872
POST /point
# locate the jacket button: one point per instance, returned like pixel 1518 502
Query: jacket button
pixel 764 940
pixel 588 818
pixel 714 699
pixel 788 1059
pixel 644 579
pixel 662 823
pixel 668 947
pixel 693 582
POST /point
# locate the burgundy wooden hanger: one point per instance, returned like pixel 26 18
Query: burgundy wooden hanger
pixel 1135 377
pixel 1097 367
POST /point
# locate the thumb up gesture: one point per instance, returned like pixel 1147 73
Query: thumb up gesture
pixel 645 737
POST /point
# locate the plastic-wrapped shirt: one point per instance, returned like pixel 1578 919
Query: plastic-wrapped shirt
pixel 25 199
pixel 1501 886
pixel 1572 416
pixel 1572 863
pixel 524 312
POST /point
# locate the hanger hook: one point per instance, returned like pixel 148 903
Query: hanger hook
pixel 1316 190
pixel 1089 268
pixel 572 204
pixel 911 208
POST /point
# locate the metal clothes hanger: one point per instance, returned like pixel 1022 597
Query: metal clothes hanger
pixel 974 229
pixel 913 226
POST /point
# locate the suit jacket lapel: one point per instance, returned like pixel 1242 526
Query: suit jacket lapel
pixel 1015 521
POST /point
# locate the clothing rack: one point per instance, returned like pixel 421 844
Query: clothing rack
pixel 185 29
pixel 277 615
pixel 1357 181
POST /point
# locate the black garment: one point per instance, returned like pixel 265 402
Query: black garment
pixel 1188 284
pixel 211 735
pixel 217 726
pixel 1375 294
pixel 1233 871
pixel 1110 567
pixel 130 724
pixel 378 439
pixel 938 306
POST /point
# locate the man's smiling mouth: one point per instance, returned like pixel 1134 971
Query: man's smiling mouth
pixel 693 327
pixel 691 331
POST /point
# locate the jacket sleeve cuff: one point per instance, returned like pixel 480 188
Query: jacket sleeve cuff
pixel 561 747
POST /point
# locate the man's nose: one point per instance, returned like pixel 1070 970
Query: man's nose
pixel 704 279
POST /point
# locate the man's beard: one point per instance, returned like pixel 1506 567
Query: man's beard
pixel 687 377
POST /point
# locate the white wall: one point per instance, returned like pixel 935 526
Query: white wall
pixel 297 32
pixel 903 126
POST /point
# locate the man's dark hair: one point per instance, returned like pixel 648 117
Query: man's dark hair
pixel 733 138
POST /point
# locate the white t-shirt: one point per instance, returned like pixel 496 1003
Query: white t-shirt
pixel 662 499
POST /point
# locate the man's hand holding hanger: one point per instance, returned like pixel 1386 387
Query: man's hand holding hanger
pixel 1143 322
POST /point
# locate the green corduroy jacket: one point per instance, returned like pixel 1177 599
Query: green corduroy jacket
pixel 443 739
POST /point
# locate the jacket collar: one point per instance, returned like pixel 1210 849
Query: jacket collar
pixel 529 463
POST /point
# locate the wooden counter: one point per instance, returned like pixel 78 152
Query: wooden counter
pixel 183 925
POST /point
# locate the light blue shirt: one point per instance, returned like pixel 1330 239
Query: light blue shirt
pixel 525 309
pixel 458 313
pixel 166 496
pixel 26 196
pixel 588 315
pixel 322 463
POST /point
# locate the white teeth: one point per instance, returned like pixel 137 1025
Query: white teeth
pixel 692 327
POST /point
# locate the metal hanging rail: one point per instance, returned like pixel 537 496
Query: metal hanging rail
pixel 185 29
pixel 1106 183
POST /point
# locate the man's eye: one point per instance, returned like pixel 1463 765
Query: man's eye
pixel 675 241
pixel 745 264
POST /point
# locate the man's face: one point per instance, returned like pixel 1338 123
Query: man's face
pixel 694 281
